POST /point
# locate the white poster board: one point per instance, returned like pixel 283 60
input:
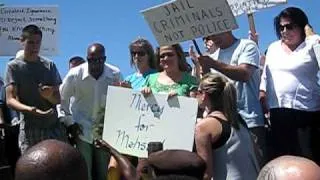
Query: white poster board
pixel 132 121
pixel 14 19
pixel 239 7
pixel 181 20
pixel 316 49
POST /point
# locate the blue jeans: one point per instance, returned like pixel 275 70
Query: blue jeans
pixel 97 160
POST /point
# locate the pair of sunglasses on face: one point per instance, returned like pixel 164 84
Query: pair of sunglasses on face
pixel 289 26
pixel 139 53
pixel 98 60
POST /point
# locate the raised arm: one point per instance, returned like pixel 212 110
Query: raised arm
pixel 248 62
pixel 126 167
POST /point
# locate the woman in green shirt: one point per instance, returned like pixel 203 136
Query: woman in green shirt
pixel 173 77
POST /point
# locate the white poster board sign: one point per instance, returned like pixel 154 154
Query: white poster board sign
pixel 181 20
pixel 239 7
pixel 132 121
pixel 316 49
pixel 14 19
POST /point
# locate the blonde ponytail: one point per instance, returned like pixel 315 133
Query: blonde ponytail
pixel 229 99
pixel 223 96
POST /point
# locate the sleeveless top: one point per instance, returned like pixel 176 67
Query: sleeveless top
pixel 235 159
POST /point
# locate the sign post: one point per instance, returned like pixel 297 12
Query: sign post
pixel 252 26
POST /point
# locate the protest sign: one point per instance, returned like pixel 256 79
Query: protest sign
pixel 181 20
pixel 239 7
pixel 316 49
pixel 132 121
pixel 14 19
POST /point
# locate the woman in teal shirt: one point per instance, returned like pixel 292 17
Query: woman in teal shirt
pixel 143 60
pixel 173 77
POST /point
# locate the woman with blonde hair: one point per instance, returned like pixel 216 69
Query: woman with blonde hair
pixel 222 137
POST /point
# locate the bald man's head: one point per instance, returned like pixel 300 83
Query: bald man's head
pixel 96 48
pixel 51 160
pixel 96 57
pixel 290 168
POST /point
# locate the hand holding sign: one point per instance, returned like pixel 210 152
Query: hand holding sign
pixel 148 119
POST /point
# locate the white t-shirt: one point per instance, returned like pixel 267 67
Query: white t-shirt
pixel 290 80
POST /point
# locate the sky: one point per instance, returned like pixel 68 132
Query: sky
pixel 117 23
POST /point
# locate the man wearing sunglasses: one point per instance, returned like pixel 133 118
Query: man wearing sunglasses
pixel 88 84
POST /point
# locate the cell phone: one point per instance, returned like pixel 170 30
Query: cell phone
pixel 154 147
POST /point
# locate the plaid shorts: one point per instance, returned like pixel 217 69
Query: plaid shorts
pixel 31 136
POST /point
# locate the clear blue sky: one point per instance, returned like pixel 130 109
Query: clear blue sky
pixel 116 23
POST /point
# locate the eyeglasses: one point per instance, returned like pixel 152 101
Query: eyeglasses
pixel 289 26
pixel 139 53
pixel 98 60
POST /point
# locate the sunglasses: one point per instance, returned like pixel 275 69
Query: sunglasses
pixel 98 60
pixel 289 26
pixel 139 53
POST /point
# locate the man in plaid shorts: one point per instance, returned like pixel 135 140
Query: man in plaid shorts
pixel 32 88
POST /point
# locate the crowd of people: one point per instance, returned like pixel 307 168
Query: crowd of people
pixel 254 119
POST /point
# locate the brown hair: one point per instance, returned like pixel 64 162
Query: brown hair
pixel 182 61
pixel 147 47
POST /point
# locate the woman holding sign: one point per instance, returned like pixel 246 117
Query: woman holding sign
pixel 173 78
pixel 222 137
pixel 289 86
pixel 143 60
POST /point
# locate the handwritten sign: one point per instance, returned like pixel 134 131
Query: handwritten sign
pixel 14 19
pixel 181 20
pixel 132 121
pixel 316 49
pixel 239 7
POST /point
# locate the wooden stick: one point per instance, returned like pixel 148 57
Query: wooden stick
pixel 196 46
pixel 251 23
